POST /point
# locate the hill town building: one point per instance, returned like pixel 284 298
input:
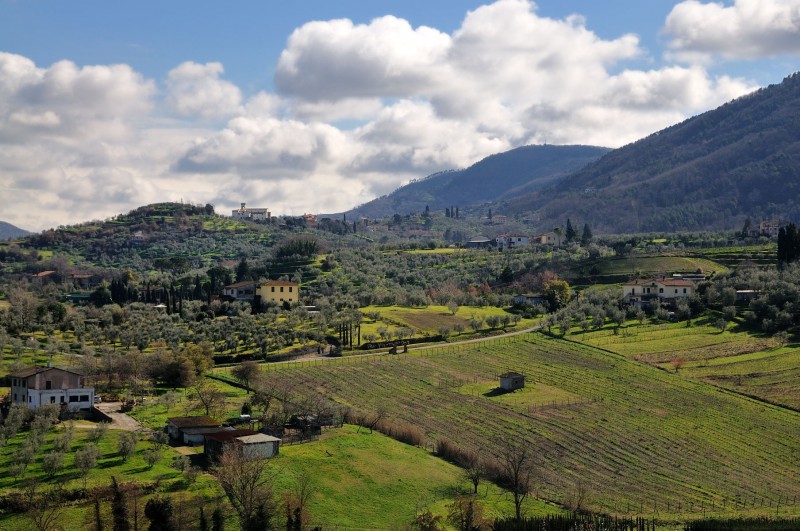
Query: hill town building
pixel 253 214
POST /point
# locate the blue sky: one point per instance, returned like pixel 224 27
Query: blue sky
pixel 105 106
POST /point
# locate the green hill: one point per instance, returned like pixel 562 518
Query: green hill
pixel 494 178
pixel 639 439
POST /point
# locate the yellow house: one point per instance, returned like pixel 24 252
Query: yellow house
pixel 279 291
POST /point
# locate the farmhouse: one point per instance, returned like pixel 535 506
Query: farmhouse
pixel 36 386
pixel 192 430
pixel 511 381
pixel 642 291
pixel 251 443
pixel 241 291
pixel 549 238
pixel 279 291
pixel 511 241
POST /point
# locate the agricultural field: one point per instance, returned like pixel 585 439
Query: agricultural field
pixel 642 440
pixel 653 265
pixel 427 321
pixel 761 255
pixel 733 359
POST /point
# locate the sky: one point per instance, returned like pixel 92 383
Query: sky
pixel 318 106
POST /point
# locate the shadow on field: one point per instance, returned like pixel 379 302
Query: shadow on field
pixel 497 391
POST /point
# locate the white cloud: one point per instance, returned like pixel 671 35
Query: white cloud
pixel 338 60
pixel 361 108
pixel 748 29
pixel 195 90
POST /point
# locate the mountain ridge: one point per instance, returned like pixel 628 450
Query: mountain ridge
pixel 8 231
pixel 710 171
pixel 494 178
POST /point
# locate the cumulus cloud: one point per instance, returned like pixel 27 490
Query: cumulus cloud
pixel 195 90
pixel 359 109
pixel 337 59
pixel 748 29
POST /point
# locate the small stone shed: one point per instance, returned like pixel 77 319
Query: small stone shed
pixel 510 381
pixel 253 444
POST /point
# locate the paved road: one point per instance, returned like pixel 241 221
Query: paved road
pixel 120 421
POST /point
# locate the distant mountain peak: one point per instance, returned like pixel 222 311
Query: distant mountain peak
pixel 8 231
pixel 499 176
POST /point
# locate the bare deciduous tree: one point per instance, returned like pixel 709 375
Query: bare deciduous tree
pixel 208 398
pixel 516 464
pixel 246 483
pixel 42 509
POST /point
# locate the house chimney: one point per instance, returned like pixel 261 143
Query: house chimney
pixel 243 204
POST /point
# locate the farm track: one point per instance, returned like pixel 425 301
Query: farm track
pixel 641 435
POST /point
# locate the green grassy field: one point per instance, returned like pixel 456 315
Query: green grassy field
pixel 642 439
pixel 652 265
pixel 367 480
pixel 732 359
pixel 360 479
pixel 428 320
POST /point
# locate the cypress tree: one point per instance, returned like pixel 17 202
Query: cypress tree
pixel 586 237
pixel 570 234
pixel 119 507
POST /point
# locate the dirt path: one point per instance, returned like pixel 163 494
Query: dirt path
pixel 120 421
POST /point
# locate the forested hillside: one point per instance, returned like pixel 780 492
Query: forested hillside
pixel 711 171
pixel 519 171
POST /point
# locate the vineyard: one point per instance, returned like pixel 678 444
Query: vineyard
pixel 642 440
pixel 732 359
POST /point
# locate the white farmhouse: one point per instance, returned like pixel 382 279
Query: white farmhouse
pixel 37 386
pixel 642 291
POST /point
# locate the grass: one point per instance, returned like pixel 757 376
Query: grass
pixel 640 438
pixel 733 359
pixel 650 265
pixel 369 480
pixel 108 464
pixel 428 320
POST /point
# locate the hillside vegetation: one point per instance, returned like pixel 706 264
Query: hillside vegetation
pixel 639 438
pixel 710 171
pixel 504 175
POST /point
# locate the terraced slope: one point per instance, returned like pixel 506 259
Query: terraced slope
pixel 642 439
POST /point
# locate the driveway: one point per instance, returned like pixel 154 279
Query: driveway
pixel 119 420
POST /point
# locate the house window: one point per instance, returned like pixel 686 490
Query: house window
pixel 684 290
pixel 62 399
pixel 661 290
pixel 281 289
pixel 73 398
pixel 84 398
pixel 48 384
pixel 290 289
pixel 15 397
pixel 30 399
pixel 52 400
pixel 676 290
pixel 273 289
